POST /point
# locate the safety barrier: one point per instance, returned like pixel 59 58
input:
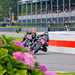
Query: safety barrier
pixel 62 42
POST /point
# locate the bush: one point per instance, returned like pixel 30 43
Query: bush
pixel 16 60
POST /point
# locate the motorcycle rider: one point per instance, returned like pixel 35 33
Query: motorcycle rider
pixel 34 42
pixel 27 40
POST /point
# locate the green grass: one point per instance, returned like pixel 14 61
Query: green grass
pixel 71 73
pixel 16 27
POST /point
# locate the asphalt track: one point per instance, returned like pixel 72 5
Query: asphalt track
pixel 57 61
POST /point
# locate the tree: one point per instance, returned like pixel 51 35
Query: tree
pixel 5 6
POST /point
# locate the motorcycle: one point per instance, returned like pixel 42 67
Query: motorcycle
pixel 40 43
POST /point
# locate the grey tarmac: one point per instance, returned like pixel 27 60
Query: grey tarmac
pixel 57 61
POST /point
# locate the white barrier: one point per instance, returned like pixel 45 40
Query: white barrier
pixel 62 42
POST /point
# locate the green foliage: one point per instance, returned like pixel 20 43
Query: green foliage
pixel 21 72
pixel 9 44
pixel 5 6
pixel 2 70
pixel 7 40
pixel 36 71
pixel 10 66
pixel 3 53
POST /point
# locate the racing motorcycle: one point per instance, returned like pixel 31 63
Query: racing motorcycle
pixel 40 45
pixel 35 46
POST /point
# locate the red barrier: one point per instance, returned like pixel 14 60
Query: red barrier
pixel 61 43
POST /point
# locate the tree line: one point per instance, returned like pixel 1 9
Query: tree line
pixel 7 7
